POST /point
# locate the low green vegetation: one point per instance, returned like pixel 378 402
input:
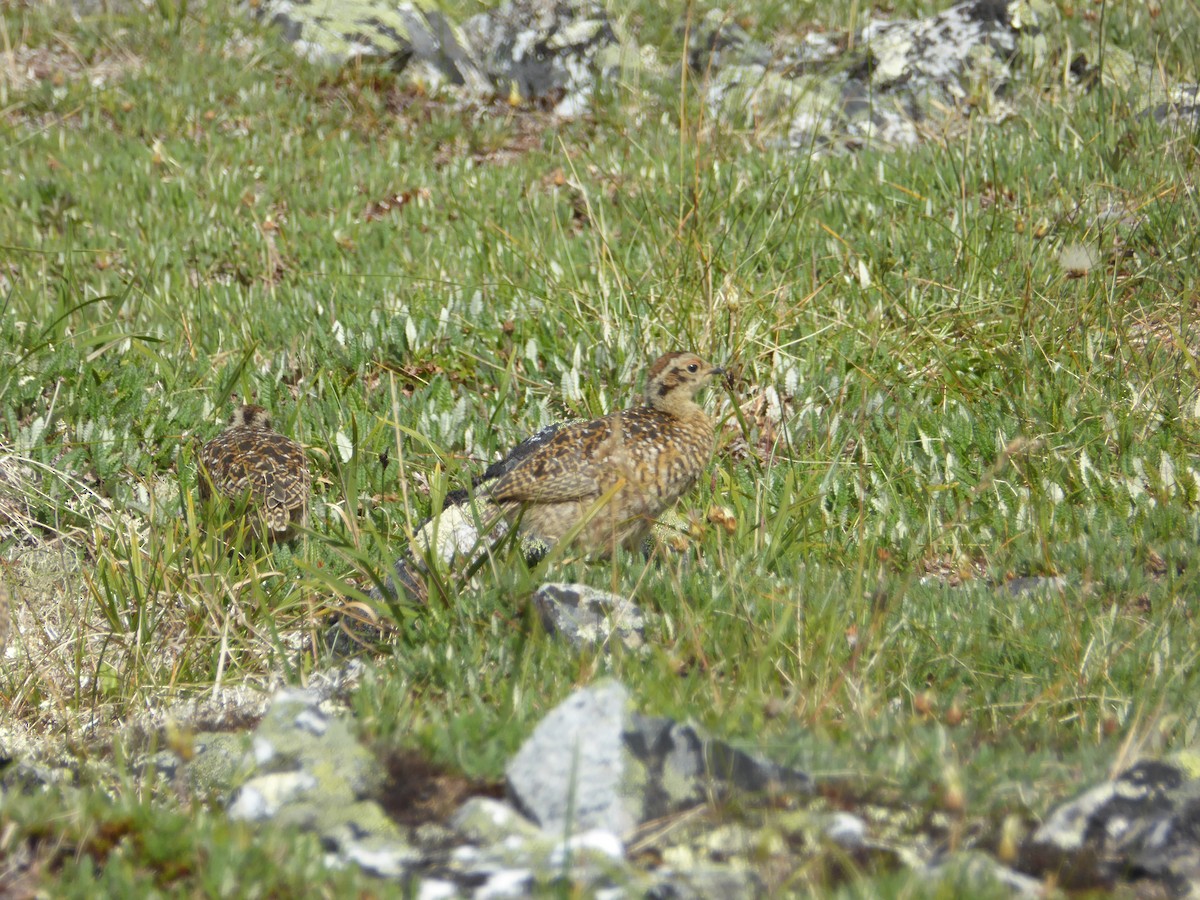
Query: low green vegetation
pixel 951 366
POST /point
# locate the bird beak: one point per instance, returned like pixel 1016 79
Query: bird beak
pixel 716 370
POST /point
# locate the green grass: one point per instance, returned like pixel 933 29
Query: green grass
pixel 922 396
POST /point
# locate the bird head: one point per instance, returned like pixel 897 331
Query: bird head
pixel 251 416
pixel 674 380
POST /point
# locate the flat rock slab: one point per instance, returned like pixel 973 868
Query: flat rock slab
pixel 572 768
pixel 595 763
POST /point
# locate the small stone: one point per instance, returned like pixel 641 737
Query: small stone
pixel 436 889
pixel 484 820
pixel 588 617
pixel 515 883
pixel 846 830
pixel 595 842
pixel 262 797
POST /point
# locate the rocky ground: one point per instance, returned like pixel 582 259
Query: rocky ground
pixel 605 800
pixel 893 83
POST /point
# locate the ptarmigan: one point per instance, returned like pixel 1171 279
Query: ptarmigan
pixel 606 481
pixel 251 462
pixel 601 482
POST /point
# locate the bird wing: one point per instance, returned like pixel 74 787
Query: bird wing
pixel 557 482
pixel 569 466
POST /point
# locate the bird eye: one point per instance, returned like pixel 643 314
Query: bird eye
pixel 693 367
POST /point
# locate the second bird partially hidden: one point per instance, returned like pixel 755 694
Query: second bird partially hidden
pixel 252 463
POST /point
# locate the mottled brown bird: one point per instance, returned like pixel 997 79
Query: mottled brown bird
pixel 250 462
pixel 612 477
pixel 607 480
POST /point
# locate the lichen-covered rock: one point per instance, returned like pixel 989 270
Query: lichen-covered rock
pixel 522 49
pixel 899 79
pixel 891 84
pixel 296 734
pixel 682 766
pixel 554 49
pixel 945 52
pixel 1142 826
pixel 410 37
pixel 304 768
pixel 584 616
pixel 213 762
pixel 593 762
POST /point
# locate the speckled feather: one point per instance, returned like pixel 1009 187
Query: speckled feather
pixel 510 461
pixel 641 459
pixel 249 458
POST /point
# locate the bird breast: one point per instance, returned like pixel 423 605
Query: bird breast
pixel 663 454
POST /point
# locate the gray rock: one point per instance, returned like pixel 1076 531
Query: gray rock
pixel 528 49
pixel 900 78
pixel 587 617
pixel 262 798
pixel 890 84
pixel 302 767
pixel 594 763
pixel 965 873
pixel 571 773
pixel 1143 825
pixel 682 767
pixel 484 821
pixel 547 49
